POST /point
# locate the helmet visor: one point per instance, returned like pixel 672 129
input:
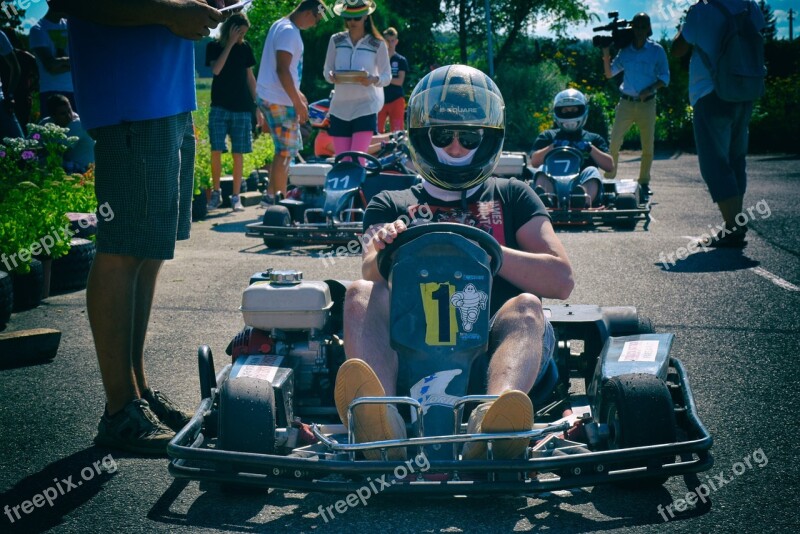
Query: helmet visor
pixel 570 111
pixel 464 105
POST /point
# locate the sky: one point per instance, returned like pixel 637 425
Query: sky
pixel 664 15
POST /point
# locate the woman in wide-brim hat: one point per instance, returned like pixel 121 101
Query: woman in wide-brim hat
pixel 354 109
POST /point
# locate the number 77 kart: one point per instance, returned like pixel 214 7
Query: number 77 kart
pixel 613 406
pixel 618 203
pixel 327 204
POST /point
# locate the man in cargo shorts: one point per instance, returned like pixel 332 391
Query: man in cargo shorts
pixel 284 107
pixel 138 109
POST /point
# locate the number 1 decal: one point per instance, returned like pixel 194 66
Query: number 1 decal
pixel 440 315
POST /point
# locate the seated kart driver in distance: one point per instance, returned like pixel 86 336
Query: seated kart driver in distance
pixel 570 112
pixel 456 132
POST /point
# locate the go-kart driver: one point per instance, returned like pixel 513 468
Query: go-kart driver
pixel 456 130
pixel 570 113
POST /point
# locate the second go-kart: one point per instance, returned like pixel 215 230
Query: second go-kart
pixel 327 203
pixel 614 407
pixel 619 203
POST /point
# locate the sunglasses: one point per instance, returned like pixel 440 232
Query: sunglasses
pixel 442 137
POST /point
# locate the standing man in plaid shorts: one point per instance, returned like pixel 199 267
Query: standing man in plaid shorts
pixel 280 100
pixel 133 67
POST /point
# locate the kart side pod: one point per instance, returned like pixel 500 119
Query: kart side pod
pixel 645 354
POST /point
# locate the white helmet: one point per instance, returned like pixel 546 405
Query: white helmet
pixel 571 121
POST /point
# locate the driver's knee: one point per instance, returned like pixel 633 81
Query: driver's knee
pixel 365 299
pixel 526 308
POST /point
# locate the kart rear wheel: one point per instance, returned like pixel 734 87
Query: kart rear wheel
pixel 638 410
pixel 247 416
pixel 626 201
pixel 276 216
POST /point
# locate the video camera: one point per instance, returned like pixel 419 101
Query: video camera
pixel 621 33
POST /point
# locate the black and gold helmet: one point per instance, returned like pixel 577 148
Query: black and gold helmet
pixel 447 101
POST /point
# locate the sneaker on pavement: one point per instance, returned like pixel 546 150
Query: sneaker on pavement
pixel 236 203
pixel 373 422
pixel 167 411
pixel 216 200
pixel 726 238
pixel 134 429
pixel 267 200
pixel 511 412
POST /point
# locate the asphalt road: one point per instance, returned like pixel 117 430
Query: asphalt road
pixel 737 332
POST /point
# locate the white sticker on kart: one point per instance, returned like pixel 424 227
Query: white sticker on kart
pixel 469 303
pixel 260 367
pixel 431 391
pixel 639 351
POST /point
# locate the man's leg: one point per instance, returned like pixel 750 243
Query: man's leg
pixel 366 330
pixel 383 114
pixel 279 174
pixel 623 120
pixel 238 170
pixel 216 168
pixel 398 114
pixel 516 345
pixel 144 292
pixel 646 120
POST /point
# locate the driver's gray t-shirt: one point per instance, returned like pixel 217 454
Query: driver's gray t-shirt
pixel 500 207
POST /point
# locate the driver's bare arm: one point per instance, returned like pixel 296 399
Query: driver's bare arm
pixel 190 19
pixel 603 160
pixel 542 266
pixel 537 157
pixel 380 236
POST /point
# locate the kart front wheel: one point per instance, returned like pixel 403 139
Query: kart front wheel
pixel 247 416
pixel 638 410
pixel 626 201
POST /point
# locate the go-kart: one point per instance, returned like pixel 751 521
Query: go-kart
pixel 618 408
pixel 619 203
pixel 326 203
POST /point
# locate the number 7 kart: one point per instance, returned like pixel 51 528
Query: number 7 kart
pixel 613 407
pixel 619 203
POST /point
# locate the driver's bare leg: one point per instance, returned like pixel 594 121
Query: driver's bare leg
pixel 366 330
pixel 371 367
pixel 516 347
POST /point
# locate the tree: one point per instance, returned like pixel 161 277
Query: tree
pixel 511 19
pixel 770 32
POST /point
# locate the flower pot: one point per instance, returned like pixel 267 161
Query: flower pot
pixel 47 270
pixel 200 206
pixel 28 287
pixel 70 272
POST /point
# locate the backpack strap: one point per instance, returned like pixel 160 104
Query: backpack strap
pixel 728 15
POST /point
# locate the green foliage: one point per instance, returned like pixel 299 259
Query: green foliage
pixel 36 193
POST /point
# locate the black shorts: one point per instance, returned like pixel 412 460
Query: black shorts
pixel 343 128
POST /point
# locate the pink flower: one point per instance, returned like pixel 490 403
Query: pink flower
pixel 2 154
pixel 36 136
pixel 28 155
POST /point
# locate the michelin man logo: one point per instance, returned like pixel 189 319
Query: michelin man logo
pixel 431 390
pixel 469 302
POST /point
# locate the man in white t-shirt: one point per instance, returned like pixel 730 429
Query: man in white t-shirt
pixel 48 42
pixel 278 87
pixel 720 126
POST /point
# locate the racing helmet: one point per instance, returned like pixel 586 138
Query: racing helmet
pixel 318 113
pixel 570 121
pixel 456 100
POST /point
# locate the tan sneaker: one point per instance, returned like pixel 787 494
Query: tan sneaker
pixel 511 412
pixel 374 422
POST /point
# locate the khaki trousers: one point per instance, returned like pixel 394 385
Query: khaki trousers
pixel 642 114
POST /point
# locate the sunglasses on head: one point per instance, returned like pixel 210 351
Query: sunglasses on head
pixel 469 139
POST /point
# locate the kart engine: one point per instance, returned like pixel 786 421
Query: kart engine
pixel 289 318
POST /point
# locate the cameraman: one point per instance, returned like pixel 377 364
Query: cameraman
pixel 645 68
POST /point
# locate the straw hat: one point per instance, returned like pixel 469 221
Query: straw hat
pixel 353 9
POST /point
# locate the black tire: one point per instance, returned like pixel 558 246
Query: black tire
pixel 638 410
pixel 208 377
pixel 28 287
pixel 70 272
pixel 6 298
pixel 626 201
pixel 646 325
pixel 246 416
pixel 276 216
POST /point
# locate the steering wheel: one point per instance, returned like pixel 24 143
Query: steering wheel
pixel 373 166
pixel 483 239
